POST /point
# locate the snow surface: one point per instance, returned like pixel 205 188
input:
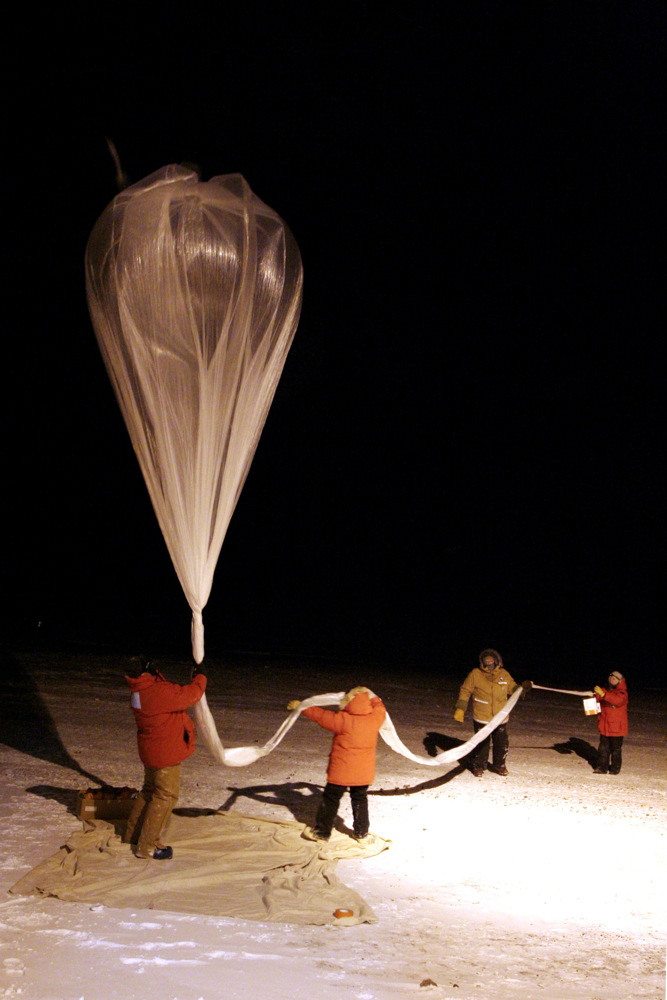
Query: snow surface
pixel 546 884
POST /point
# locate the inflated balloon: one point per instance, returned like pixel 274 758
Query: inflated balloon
pixel 194 289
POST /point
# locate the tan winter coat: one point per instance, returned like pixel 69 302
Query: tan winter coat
pixel 489 692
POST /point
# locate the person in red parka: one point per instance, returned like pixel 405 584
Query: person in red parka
pixel 612 723
pixel 165 737
pixel 352 758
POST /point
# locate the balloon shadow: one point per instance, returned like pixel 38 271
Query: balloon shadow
pixel 303 809
pixel 26 724
pixel 194 811
pixel 300 797
pixel 435 743
pixel 423 786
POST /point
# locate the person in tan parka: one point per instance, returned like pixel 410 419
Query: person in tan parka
pixel 490 685
pixel 352 758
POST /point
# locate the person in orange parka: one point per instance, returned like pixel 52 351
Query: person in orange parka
pixel 612 723
pixel 165 737
pixel 352 758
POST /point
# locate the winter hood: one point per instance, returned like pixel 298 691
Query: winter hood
pixel 357 701
pixel 490 652
pixel 143 681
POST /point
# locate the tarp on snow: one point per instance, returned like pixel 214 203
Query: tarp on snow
pixel 224 864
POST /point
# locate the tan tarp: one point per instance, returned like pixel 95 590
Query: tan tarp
pixel 224 864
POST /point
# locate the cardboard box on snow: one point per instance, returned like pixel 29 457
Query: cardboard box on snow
pixel 102 804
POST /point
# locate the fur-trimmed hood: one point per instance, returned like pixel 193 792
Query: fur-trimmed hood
pixel 490 652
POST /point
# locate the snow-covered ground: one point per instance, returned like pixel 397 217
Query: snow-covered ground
pixel 546 884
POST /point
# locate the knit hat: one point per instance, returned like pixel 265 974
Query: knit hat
pixel 617 675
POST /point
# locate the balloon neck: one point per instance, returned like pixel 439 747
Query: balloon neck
pixel 197 636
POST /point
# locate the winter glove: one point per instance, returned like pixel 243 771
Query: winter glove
pixel 526 685
pixel 293 705
pixel 458 715
pixel 600 691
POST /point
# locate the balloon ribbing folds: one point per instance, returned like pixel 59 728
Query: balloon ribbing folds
pixel 194 290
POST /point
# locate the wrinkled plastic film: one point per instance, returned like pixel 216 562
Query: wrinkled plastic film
pixel 197 636
pixel 242 756
pixel 194 290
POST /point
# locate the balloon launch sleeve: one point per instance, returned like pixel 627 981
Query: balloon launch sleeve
pixel 194 291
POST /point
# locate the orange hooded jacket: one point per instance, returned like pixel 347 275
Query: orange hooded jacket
pixel 356 727
pixel 165 731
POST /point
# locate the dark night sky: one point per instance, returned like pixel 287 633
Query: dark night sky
pixel 462 451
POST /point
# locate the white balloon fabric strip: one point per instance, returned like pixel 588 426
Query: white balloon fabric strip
pixel 391 738
pixel 580 694
pixel 194 290
pixel 242 756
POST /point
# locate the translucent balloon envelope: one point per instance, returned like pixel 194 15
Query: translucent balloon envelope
pixel 194 289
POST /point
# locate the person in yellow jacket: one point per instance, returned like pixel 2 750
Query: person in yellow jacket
pixel 490 685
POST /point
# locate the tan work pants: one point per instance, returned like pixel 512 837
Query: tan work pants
pixel 152 809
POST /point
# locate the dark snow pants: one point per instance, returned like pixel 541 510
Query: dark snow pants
pixel 609 754
pixel 500 742
pixel 328 810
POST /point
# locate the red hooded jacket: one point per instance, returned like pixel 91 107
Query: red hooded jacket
pixel 165 731
pixel 356 727
pixel 613 717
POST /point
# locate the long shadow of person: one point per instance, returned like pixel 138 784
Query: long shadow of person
pixel 65 796
pixel 26 724
pixel 582 748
